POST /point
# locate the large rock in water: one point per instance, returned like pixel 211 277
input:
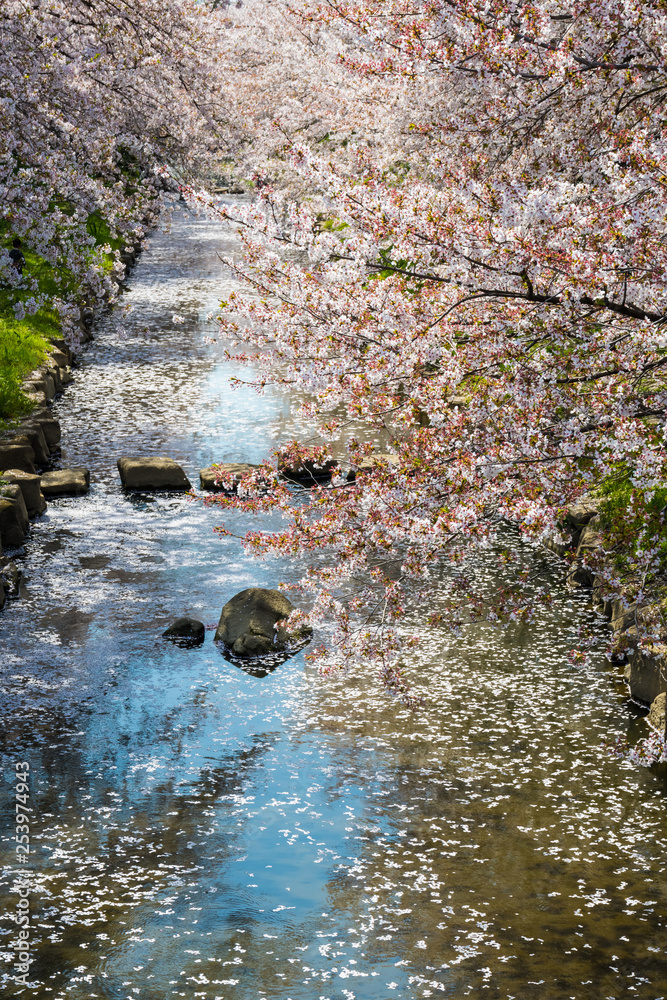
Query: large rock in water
pixel 152 474
pixel 248 622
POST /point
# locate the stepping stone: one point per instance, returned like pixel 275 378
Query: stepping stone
pixel 369 464
pixel 207 477
pixel 65 483
pixel 152 474
pixel 306 473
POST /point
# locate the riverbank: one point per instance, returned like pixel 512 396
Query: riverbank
pixel 37 369
pixel 44 303
pixel 595 560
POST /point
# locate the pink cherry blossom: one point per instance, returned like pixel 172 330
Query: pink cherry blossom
pixel 457 242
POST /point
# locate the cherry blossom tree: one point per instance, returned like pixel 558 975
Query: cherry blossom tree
pixel 97 99
pixel 473 198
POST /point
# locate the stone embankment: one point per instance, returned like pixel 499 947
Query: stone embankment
pixel 645 671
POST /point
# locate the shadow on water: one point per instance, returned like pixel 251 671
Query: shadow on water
pixel 201 831
pixel 261 666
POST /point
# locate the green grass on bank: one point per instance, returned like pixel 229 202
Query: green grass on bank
pixel 24 343
pixel 23 347
pixel 628 516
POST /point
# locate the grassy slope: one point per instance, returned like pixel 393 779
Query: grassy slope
pixel 24 343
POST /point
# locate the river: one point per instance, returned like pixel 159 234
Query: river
pixel 198 832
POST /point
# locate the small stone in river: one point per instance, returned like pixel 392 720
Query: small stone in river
pixel 65 482
pixel 152 474
pixel 10 578
pixel 186 632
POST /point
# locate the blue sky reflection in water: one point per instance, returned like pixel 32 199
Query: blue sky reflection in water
pixel 202 833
